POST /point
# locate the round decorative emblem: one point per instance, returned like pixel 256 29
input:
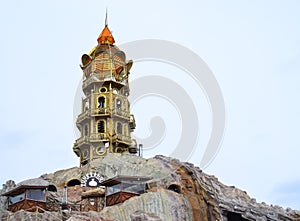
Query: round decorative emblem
pixel 101 150
pixel 91 180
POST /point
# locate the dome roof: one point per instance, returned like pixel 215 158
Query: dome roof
pixel 105 50
pixel 105 56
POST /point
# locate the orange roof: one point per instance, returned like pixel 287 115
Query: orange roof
pixel 106 37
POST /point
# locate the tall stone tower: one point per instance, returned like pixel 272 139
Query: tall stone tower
pixel 105 121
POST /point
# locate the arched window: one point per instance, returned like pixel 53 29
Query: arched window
pixel 86 105
pixel 119 128
pixel 86 130
pixel 101 102
pixel 101 126
pixel 125 129
pixel 118 104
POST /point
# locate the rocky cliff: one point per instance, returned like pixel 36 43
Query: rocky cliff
pixel 177 191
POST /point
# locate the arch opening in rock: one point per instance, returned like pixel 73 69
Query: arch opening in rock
pixel 73 182
pixel 52 188
pixel 175 187
pixel 231 216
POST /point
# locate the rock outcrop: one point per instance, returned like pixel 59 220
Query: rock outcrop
pixel 142 216
pixel 177 191
pixel 5 187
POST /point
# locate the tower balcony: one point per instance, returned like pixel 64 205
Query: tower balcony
pixel 94 137
pixel 83 116
pixel 121 113
pixel 96 77
pixel 132 123
pixel 123 139
pixel 100 111
pixel 79 142
pixel 101 77
pixel 93 112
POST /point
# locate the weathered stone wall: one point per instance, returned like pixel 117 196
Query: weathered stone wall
pixel 179 191
pixel 222 198
pixel 165 204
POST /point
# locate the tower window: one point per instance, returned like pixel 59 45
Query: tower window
pixel 125 129
pixel 101 125
pixel 85 153
pixel 101 102
pixel 86 105
pixel 86 130
pixel 119 128
pixel 103 90
pixel 119 104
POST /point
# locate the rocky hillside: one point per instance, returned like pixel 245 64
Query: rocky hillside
pixel 178 191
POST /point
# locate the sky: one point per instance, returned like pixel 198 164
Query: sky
pixel 251 47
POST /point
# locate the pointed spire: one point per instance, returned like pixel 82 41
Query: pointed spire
pixel 106 18
pixel 106 37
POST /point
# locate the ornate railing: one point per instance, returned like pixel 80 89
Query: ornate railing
pixel 96 137
pixel 99 136
pixel 83 115
pixel 124 138
pixel 101 77
pixel 93 112
pixel 81 140
pixel 121 113
pixel 100 111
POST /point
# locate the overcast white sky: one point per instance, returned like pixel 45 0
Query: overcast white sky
pixel 252 47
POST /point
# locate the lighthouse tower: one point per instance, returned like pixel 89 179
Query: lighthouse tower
pixel 105 121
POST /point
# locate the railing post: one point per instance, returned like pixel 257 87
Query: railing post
pixel 22 216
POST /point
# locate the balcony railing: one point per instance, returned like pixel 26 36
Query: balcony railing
pixel 83 115
pixel 121 112
pixel 93 112
pixel 83 139
pixel 100 111
pixel 97 137
pixel 124 138
pixel 101 77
